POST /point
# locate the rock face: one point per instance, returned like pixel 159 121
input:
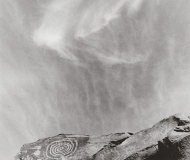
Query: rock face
pixel 169 139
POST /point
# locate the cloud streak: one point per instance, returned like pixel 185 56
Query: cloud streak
pixel 64 24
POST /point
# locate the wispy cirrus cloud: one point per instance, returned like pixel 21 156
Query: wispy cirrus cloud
pixel 64 22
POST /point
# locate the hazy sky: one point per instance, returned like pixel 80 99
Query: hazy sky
pixel 90 67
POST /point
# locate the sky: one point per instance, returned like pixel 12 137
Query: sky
pixel 90 67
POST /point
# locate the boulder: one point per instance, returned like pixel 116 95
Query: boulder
pixel 169 139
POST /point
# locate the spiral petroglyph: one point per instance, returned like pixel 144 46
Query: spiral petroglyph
pixel 61 148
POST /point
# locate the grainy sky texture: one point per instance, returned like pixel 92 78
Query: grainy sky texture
pixel 90 67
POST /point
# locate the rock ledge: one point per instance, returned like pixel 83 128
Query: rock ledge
pixel 169 139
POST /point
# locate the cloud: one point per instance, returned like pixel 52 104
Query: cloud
pixel 66 23
pixel 134 6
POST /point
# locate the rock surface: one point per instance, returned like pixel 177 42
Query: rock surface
pixel 169 139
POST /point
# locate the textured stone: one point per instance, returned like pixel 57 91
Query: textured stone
pixel 65 146
pixel 169 139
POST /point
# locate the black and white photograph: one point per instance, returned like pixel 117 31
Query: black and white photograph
pixel 94 79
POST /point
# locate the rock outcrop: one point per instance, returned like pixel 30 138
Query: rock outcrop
pixel 169 139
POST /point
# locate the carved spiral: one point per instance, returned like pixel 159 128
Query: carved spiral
pixel 57 149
